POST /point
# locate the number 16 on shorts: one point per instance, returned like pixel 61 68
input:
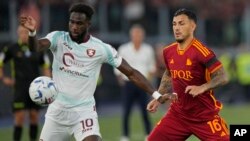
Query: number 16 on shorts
pixel 239 132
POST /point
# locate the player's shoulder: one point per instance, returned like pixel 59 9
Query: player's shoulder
pixel 198 43
pixel 98 42
pixel 201 47
pixel 170 46
pixel 59 33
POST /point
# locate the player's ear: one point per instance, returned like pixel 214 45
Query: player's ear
pixel 193 26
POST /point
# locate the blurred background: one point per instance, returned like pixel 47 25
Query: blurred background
pixel 223 25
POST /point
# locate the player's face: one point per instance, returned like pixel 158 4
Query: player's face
pixel 183 28
pixel 137 35
pixel 78 25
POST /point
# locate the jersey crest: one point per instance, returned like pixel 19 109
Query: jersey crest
pixel 90 52
pixel 188 62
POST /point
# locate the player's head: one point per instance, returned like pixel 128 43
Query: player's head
pixel 137 33
pixel 23 34
pixel 80 20
pixel 184 24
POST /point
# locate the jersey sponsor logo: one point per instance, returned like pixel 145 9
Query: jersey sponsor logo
pixel 90 52
pixel 182 74
pixel 72 72
pixel 69 60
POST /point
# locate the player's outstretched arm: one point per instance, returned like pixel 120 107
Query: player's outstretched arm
pixel 29 23
pixel 138 79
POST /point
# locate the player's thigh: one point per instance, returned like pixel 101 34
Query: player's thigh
pixel 215 129
pixel 170 128
pixel 53 131
pixel 87 128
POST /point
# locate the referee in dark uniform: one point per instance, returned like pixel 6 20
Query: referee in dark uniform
pixel 25 66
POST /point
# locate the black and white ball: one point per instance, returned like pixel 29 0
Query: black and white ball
pixel 43 90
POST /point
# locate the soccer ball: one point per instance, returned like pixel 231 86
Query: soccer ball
pixel 43 90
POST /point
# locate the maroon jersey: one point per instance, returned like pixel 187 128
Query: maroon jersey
pixel 192 66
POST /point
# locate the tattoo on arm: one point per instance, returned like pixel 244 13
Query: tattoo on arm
pixel 218 78
pixel 166 83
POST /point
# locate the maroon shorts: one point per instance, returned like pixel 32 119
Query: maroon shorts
pixel 173 128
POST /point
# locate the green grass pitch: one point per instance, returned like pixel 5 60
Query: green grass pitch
pixel 111 125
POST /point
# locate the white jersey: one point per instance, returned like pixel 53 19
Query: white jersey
pixel 143 59
pixel 76 68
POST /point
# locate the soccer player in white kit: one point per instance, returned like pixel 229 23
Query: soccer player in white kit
pixel 77 60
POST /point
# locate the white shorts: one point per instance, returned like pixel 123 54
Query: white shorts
pixel 61 125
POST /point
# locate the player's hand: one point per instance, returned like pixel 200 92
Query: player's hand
pixel 153 106
pixel 28 22
pixel 195 90
pixel 173 97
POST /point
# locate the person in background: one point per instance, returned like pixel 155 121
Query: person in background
pixel 139 55
pixel 193 72
pixel 26 66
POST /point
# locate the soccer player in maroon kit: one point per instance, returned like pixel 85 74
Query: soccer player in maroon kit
pixel 192 71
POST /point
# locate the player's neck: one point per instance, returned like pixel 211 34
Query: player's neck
pixel 81 39
pixel 185 43
pixel 137 45
pixel 86 38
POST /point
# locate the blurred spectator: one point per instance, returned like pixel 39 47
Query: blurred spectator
pixel 139 55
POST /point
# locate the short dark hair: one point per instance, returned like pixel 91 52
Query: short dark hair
pixel 82 8
pixel 190 14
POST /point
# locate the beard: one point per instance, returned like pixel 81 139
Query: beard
pixel 78 38
pixel 180 40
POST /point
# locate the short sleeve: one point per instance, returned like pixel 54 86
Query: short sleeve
pixel 111 56
pixel 53 37
pixel 209 59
